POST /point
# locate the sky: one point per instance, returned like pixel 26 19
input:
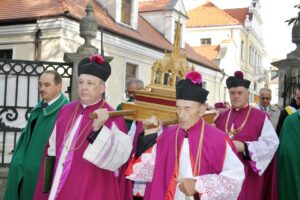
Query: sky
pixel 276 32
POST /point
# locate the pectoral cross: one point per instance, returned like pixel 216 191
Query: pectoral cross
pixel 231 133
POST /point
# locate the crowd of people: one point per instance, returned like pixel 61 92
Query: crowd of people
pixel 250 152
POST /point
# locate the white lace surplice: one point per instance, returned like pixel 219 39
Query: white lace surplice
pixel 262 151
pixel 225 185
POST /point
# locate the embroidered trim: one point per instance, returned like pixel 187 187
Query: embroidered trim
pixel 217 187
pixel 139 189
pixel 143 168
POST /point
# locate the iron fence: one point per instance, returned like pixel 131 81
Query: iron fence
pixel 290 83
pixel 19 94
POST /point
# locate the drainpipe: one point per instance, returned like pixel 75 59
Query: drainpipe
pixel 37 45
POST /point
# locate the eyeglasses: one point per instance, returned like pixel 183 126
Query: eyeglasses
pixel 265 98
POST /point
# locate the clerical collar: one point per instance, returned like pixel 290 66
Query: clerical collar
pixel 238 109
pixel 186 133
pixel 84 105
pixel 52 101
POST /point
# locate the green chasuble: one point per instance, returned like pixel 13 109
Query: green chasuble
pixel 288 164
pixel 26 161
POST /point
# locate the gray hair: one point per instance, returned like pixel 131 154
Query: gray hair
pixel 265 90
pixel 130 81
pixel 139 83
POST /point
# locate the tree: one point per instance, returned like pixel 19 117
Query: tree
pixel 294 20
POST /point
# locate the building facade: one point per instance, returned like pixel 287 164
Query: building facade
pixel 48 30
pixel 233 37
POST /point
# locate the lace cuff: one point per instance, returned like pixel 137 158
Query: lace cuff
pixel 261 155
pixel 263 150
pixel 142 168
pixel 213 186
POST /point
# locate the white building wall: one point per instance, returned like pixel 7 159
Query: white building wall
pixel 193 35
pixel 61 35
pixel 212 79
pixel 275 97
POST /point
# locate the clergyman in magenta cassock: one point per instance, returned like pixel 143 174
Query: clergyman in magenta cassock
pixel 187 157
pixel 251 130
pixel 89 153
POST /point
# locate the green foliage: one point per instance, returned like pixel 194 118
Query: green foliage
pixel 294 20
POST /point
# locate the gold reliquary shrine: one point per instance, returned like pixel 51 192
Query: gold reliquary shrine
pixel 159 97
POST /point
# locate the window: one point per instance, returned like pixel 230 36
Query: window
pixel 242 50
pixel 205 41
pixel 253 57
pixel 126 11
pixel 131 70
pixel 255 60
pixel 250 55
pixel 6 53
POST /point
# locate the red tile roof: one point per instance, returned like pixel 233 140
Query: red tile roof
pixel 36 9
pixel 194 55
pixel 209 51
pixel 153 5
pixel 29 9
pixel 238 14
pixel 209 15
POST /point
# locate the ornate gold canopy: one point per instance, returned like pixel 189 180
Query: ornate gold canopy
pixel 159 97
pixel 172 67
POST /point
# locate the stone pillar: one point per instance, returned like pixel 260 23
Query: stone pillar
pixel 88 31
pixel 289 69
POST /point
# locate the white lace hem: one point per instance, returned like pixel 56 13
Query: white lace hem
pixel 217 187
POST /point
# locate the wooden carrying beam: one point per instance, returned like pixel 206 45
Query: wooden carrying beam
pixel 139 112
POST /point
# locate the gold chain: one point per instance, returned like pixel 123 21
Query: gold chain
pixel 230 132
pixel 199 150
pixel 81 132
pixel 199 153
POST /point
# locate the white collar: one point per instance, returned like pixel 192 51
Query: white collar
pixel 84 105
pixel 53 100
